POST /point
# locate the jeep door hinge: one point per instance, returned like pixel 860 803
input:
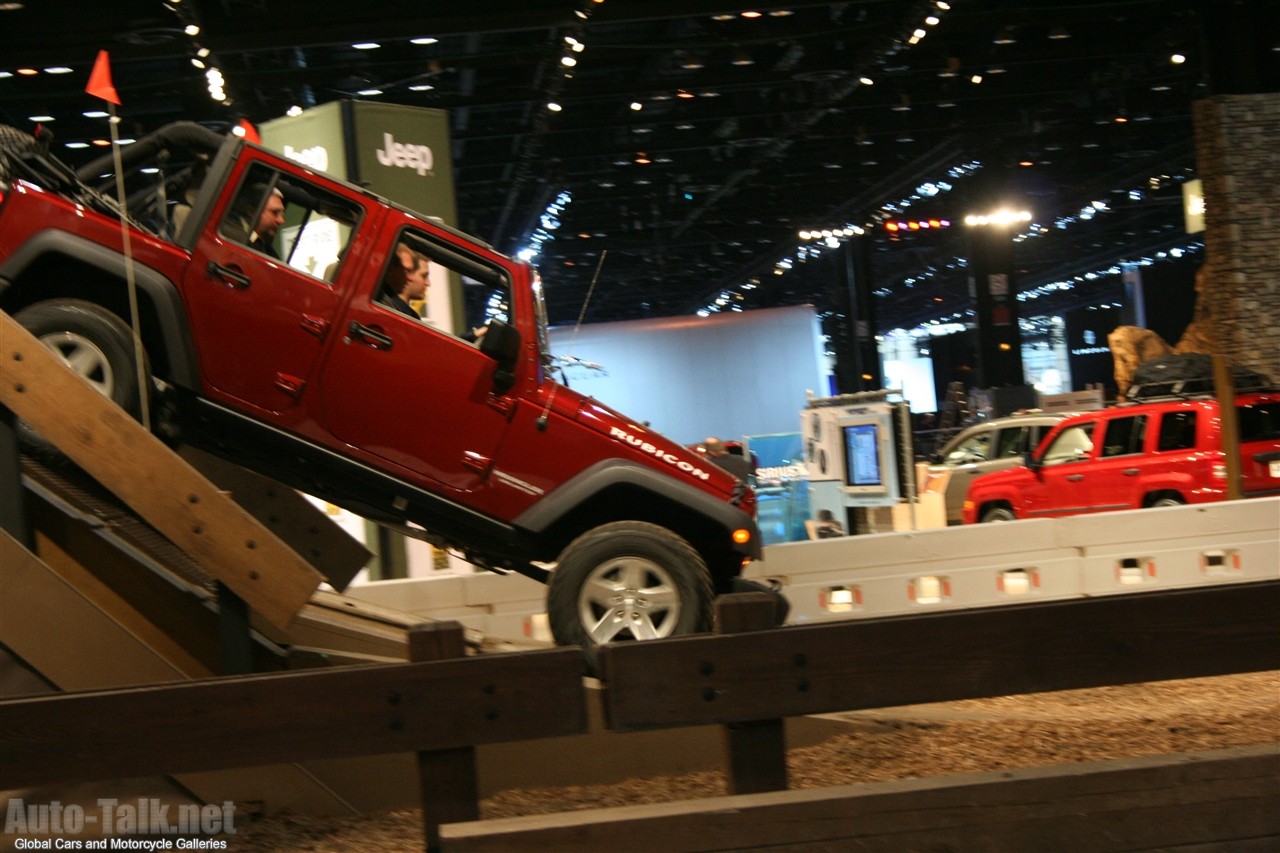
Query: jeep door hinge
pixel 482 465
pixel 290 385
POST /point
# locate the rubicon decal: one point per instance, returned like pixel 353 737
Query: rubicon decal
pixel 670 458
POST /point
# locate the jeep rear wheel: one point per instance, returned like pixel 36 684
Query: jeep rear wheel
pixel 95 344
pixel 628 580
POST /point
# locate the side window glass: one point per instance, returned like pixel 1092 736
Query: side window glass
pixel 1259 421
pixel 1124 436
pixel 1012 443
pixel 1177 431
pixel 291 220
pixel 976 448
pixel 1071 445
pixel 421 273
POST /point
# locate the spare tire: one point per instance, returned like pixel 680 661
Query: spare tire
pixel 13 144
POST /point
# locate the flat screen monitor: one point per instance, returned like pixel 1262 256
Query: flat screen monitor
pixel 864 465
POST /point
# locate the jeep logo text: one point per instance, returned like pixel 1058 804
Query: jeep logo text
pixel 402 156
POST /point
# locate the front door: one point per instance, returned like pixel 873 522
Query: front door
pixel 403 390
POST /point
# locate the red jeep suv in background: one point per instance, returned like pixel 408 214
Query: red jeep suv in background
pixel 284 356
pixel 1154 453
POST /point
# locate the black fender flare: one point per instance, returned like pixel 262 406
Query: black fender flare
pixel 590 482
pixel 169 307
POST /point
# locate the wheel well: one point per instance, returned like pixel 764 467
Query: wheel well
pixel 1150 500
pixel 60 276
pixel 987 506
pixel 625 501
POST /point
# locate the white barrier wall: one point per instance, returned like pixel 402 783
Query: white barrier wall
pixel 927 570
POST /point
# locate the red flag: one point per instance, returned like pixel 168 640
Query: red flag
pixel 100 85
pixel 249 132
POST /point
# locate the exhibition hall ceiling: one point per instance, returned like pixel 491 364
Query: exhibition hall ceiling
pixel 702 147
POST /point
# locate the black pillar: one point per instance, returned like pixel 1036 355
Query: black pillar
pixel 863 350
pixel 994 294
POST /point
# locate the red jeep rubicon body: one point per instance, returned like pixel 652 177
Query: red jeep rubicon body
pixel 283 356
pixel 1158 453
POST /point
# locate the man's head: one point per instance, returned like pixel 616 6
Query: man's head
pixel 272 216
pixel 419 278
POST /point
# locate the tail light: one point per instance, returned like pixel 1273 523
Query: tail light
pixel 1219 471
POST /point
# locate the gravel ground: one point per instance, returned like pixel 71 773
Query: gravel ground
pixel 885 744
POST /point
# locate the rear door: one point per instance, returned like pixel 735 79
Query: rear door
pixel 262 310
pixel 1113 480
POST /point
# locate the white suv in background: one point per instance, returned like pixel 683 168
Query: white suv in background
pixel 984 447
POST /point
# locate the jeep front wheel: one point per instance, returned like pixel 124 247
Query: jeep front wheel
pixel 94 343
pixel 628 580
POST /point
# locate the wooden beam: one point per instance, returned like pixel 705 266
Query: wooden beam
pixel 959 654
pixel 266 719
pixel 316 537
pixel 139 469
pixel 1219 800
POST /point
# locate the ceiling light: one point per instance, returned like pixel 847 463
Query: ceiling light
pixel 294 110
pixel 28 72
pixel 975 79
pixel 1178 58
pixel 77 145
pixel 685 93
pixel 742 58
pixel 751 14
pixel 637 106
pixel 1059 32
pixel 425 40
pixel 568 61
pixel 554 107
pixel 723 17
pixel 933 20
pixel 366 45
pixel 11 7
pixel 780 13
pixel 39 118
pixel 94 114
pixel 369 93
pixel 643 158
pixel 58 69
pixel 421 87
pixel 866 81
pixel 1005 36
pixel 4 74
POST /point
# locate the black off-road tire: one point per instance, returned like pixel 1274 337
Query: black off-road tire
pixel 628 580
pixel 96 344
pixel 998 514
pixel 13 142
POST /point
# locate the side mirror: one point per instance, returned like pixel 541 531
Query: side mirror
pixel 501 342
pixel 1033 462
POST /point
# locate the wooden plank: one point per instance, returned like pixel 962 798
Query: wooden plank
pixel 302 526
pixel 49 621
pixel 757 749
pixel 448 784
pixel 1229 798
pixel 265 719
pixel 912 660
pixel 124 457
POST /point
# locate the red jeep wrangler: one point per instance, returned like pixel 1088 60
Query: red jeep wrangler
pixel 282 355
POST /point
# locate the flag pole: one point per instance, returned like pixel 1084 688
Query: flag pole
pixel 100 85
